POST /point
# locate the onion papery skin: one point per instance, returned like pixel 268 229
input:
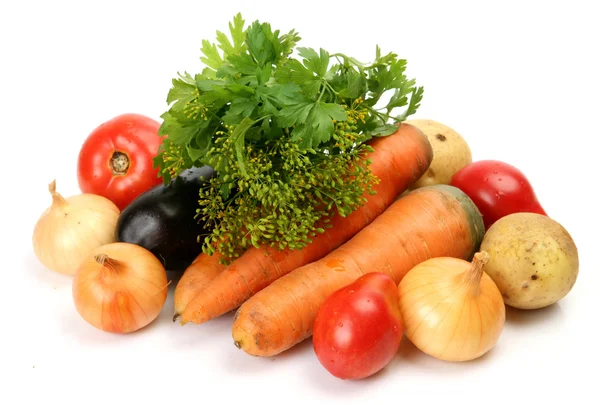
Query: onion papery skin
pixel 124 294
pixel 70 228
pixel 449 313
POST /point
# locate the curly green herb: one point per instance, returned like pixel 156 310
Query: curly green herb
pixel 285 135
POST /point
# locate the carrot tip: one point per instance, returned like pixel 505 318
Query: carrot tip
pixel 237 344
pixel 175 316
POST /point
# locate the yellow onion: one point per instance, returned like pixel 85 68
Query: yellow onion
pixel 451 308
pixel 120 288
pixel 71 228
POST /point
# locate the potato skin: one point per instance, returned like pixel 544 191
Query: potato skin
pixel 450 152
pixel 533 260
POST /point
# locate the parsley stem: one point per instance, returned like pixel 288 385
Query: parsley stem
pixel 322 91
pixel 331 89
pixel 381 115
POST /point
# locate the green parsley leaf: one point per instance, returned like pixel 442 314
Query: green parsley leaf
pixel 318 125
pixel 213 60
pixel 294 114
pixel 183 90
pixel 353 84
pixel 239 109
pixel 280 95
pixel 295 72
pixel 211 57
pixel 316 63
pixel 334 111
pixel 178 134
pixel 415 103
pixel 384 130
pixel 236 28
pixel 260 40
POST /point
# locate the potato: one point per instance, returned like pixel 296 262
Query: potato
pixel 450 152
pixel 533 260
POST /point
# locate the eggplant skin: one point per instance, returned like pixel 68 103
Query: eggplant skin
pixel 162 220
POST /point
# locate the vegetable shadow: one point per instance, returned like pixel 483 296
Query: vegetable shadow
pixel 197 337
pixel 74 326
pixel 302 358
pixel 329 385
pixel 534 317
pixel 239 362
pixel 43 276
pixel 410 358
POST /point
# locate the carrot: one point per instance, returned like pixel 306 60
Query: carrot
pixel 428 222
pixel 398 160
pixel 203 269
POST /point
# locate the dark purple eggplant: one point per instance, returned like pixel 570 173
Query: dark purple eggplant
pixel 162 219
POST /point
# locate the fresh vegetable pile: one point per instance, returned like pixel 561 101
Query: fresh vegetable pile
pixel 290 185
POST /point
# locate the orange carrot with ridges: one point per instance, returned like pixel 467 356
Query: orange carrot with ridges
pixel 428 222
pixel 196 276
pixel 398 160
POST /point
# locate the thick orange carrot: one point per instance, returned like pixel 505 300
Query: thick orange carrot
pixel 203 270
pixel 398 160
pixel 428 222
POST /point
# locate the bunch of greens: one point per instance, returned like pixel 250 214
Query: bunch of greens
pixel 286 135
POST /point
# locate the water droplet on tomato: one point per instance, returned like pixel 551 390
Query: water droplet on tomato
pixel 485 180
pixel 341 325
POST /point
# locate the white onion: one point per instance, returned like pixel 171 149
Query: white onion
pixel 71 228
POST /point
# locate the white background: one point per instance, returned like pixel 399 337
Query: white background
pixel 519 80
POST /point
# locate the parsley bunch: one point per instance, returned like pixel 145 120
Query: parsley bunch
pixel 285 134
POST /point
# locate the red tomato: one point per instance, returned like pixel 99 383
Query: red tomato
pixel 358 329
pixel 497 189
pixel 116 159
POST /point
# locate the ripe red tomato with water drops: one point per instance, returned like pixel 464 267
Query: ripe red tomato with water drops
pixel 358 329
pixel 116 159
pixel 498 189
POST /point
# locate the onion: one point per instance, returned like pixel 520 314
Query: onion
pixel 71 228
pixel 452 310
pixel 120 288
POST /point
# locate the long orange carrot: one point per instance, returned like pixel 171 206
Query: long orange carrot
pixel 429 222
pixel 398 160
pixel 196 276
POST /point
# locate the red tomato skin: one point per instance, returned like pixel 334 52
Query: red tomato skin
pixel 358 329
pixel 498 189
pixel 134 135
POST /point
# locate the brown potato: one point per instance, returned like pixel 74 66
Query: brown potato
pixel 533 260
pixel 450 152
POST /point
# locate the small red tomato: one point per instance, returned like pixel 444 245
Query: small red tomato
pixel 497 189
pixel 116 159
pixel 358 329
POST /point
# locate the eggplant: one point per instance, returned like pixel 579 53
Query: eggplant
pixel 162 219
